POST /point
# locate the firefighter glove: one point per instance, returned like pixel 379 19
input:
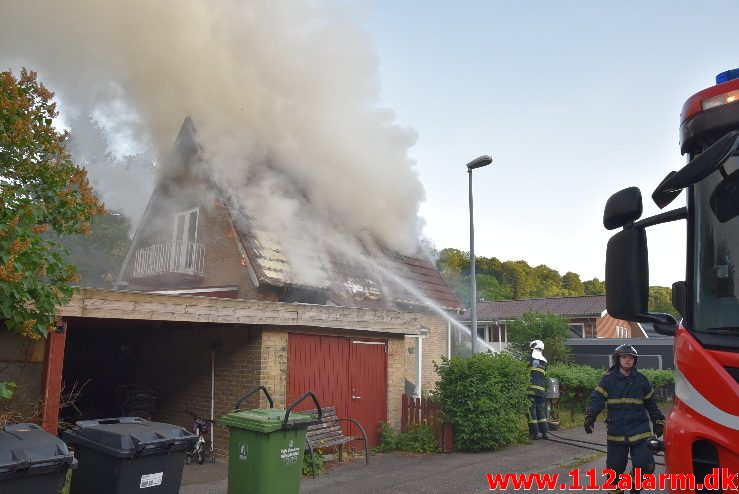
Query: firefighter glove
pixel 659 428
pixel 589 424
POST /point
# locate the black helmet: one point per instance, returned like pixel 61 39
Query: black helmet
pixel 624 349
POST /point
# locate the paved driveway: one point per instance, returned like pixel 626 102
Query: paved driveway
pixel 458 473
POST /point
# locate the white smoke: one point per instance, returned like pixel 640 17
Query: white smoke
pixel 284 95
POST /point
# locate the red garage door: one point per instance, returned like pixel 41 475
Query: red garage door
pixel 348 373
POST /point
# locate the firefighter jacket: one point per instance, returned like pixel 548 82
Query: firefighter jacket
pixel 537 373
pixel 630 403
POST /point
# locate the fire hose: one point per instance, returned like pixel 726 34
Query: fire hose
pixel 570 442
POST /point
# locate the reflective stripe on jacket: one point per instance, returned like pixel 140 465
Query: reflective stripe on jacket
pixel 537 373
pixel 630 402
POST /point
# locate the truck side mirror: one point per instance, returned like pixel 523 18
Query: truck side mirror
pixel 623 208
pixel 627 274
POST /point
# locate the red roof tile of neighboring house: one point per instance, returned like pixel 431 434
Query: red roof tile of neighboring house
pixel 497 310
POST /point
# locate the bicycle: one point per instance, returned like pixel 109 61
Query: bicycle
pixel 203 447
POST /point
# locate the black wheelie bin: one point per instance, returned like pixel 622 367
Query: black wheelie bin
pixel 32 461
pixel 123 455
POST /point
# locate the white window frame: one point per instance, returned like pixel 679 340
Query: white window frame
pixel 186 214
pixel 582 327
pixel 622 332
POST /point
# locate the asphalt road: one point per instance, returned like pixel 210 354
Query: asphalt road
pixel 456 473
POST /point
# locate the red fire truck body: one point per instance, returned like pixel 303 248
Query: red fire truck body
pixel 702 430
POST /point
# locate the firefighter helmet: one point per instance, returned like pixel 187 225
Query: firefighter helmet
pixel 536 345
pixel 624 349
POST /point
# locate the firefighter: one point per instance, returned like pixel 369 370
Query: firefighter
pixel 537 372
pixel 629 398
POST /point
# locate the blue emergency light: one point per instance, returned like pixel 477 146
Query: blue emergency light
pixel 727 76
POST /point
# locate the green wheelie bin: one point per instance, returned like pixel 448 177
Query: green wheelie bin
pixel 266 447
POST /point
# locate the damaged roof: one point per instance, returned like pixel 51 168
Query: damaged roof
pixel 375 278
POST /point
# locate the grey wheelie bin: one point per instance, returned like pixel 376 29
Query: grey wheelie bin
pixel 266 447
pixel 124 455
pixel 32 461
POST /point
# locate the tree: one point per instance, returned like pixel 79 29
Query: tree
pixel 98 256
pixel 41 189
pixel 594 287
pixel 572 284
pixel 660 300
pixel 553 330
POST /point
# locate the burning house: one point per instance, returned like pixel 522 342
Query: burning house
pixel 211 302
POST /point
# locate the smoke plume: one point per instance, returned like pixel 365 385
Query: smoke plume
pixel 284 95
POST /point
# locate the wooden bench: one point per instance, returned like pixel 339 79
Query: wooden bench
pixel 328 434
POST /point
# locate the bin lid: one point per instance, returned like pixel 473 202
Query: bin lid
pixel 265 419
pixel 27 447
pixel 126 437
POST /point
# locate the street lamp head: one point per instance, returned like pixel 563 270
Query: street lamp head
pixel 484 160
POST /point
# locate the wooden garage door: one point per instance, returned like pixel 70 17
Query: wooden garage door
pixel 350 374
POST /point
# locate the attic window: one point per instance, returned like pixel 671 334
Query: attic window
pixel 186 226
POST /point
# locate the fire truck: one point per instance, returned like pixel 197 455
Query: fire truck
pixel 702 430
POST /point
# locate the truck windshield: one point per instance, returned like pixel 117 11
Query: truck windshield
pixel 716 266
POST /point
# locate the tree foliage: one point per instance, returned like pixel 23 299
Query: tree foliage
pixel 660 300
pixel 553 330
pixel 512 280
pixel 98 256
pixel 41 189
pixel 507 280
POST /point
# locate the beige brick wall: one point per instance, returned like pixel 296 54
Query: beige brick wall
pixel 434 346
pixel 273 369
pixel 179 368
pixel 223 258
pixel 396 353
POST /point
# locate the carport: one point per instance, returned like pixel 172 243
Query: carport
pixel 196 353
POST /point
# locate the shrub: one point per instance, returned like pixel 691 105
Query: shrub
pixel 576 383
pixel 388 438
pixel 318 458
pixel 482 396
pixel 418 439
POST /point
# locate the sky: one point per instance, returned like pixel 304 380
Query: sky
pixel 366 112
pixel 574 101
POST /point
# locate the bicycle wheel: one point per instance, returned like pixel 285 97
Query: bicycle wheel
pixel 201 454
pixel 188 457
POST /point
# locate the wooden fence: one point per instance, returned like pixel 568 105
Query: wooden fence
pixel 423 411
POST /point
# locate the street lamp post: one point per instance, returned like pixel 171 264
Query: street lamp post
pixel 484 160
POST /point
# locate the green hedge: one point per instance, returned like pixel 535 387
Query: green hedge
pixel 576 382
pixel 482 396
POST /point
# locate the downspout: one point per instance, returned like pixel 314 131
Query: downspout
pixel 419 359
pixel 419 365
pixel 212 396
pixel 449 338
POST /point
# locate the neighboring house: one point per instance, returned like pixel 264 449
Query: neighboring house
pixel 198 240
pixel 587 318
pixel 654 352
